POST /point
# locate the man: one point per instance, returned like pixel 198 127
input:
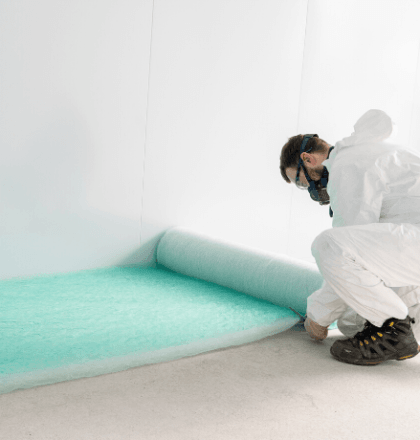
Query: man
pixel 370 259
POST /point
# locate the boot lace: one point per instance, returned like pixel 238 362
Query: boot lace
pixel 370 334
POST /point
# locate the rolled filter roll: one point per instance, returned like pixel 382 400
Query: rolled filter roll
pixel 277 278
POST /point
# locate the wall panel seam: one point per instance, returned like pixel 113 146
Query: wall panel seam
pixel 146 124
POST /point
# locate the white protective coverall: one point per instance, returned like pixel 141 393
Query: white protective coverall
pixel 370 259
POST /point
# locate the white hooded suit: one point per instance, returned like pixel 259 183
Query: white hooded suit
pixel 370 259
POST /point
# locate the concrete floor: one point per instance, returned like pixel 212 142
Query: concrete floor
pixel 283 387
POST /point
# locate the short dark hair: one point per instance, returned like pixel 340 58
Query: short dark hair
pixel 290 152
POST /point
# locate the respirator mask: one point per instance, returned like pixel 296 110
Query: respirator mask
pixel 317 189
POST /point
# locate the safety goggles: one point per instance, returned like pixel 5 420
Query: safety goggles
pixel 299 184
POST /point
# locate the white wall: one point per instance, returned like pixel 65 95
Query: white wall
pixel 74 81
pixel 230 82
pixel 224 95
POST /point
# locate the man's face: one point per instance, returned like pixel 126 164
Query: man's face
pixel 315 175
pixel 291 174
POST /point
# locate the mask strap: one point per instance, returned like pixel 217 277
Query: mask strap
pixel 302 150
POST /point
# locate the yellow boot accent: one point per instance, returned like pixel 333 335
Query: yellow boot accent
pixel 405 357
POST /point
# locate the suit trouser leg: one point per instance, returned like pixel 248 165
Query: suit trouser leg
pixel 360 264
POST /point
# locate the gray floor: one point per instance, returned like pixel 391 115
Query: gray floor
pixel 283 387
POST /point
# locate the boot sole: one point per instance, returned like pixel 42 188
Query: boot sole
pixel 368 362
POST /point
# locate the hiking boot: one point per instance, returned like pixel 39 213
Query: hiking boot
pixel 393 341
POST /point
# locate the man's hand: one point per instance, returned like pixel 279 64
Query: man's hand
pixel 315 330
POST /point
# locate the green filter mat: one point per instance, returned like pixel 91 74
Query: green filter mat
pixel 61 327
pixel 83 324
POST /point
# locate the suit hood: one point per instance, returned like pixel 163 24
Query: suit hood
pixel 374 126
